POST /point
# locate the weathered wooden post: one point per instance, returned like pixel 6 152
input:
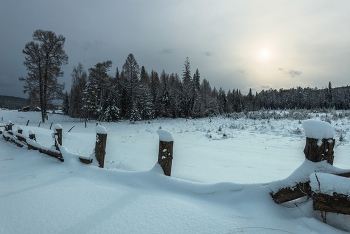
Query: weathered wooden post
pixel 9 126
pixel 319 141
pixel 19 130
pixel 32 137
pixel 57 129
pixel 27 122
pixel 165 154
pixel 100 146
pixel 39 124
pixel 51 125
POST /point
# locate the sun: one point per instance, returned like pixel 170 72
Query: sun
pixel 265 54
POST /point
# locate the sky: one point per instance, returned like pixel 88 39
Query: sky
pixel 234 44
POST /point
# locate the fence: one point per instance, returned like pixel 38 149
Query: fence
pixel 165 154
pixel 319 153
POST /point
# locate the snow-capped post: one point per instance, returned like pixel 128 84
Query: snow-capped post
pixel 57 131
pixel 319 141
pixel 19 130
pixel 100 147
pixel 165 154
pixel 32 137
pixel 9 125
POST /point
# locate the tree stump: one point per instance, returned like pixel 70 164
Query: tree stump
pixel 100 148
pixel 165 156
pixel 317 150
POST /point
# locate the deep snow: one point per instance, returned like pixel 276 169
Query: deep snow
pixel 220 180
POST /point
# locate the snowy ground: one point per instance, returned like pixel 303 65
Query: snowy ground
pixel 219 179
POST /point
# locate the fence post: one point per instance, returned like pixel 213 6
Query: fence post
pixel 9 126
pixel 165 154
pixel 57 129
pixel 27 122
pixel 100 147
pixel 319 141
pixel 19 130
pixel 32 137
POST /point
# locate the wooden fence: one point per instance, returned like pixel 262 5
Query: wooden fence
pixel 314 152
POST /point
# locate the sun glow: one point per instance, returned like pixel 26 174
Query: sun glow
pixel 265 54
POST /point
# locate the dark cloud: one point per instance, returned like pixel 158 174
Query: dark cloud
pixel 208 53
pixel 265 86
pixel 291 73
pixel 242 72
pixel 166 51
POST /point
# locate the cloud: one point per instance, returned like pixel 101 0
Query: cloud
pixel 292 73
pixel 208 53
pixel 165 51
pixel 242 72
pixel 89 46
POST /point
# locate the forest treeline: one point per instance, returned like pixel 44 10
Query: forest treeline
pixel 134 94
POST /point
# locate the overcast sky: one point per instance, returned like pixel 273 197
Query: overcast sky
pixel 234 44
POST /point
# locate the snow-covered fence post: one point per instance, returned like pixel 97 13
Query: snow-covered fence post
pixel 165 154
pixel 319 141
pixel 57 129
pixel 32 137
pixel 20 137
pixel 100 147
pixel 9 125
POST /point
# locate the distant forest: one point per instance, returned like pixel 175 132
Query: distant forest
pixel 12 103
pixel 134 94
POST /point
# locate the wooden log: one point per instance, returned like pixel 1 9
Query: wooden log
pixel 165 156
pixel 338 203
pixel 47 152
pixel 316 152
pixel 292 193
pixel 100 148
pixel 298 191
pixel 85 160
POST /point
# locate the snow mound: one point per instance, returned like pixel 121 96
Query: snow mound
pixel 57 126
pixel 165 135
pixel 318 129
pixel 101 130
pixel 30 132
pixel 329 184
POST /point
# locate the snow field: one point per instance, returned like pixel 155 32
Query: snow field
pixel 219 183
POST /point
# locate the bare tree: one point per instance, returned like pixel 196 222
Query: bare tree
pixel 43 60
